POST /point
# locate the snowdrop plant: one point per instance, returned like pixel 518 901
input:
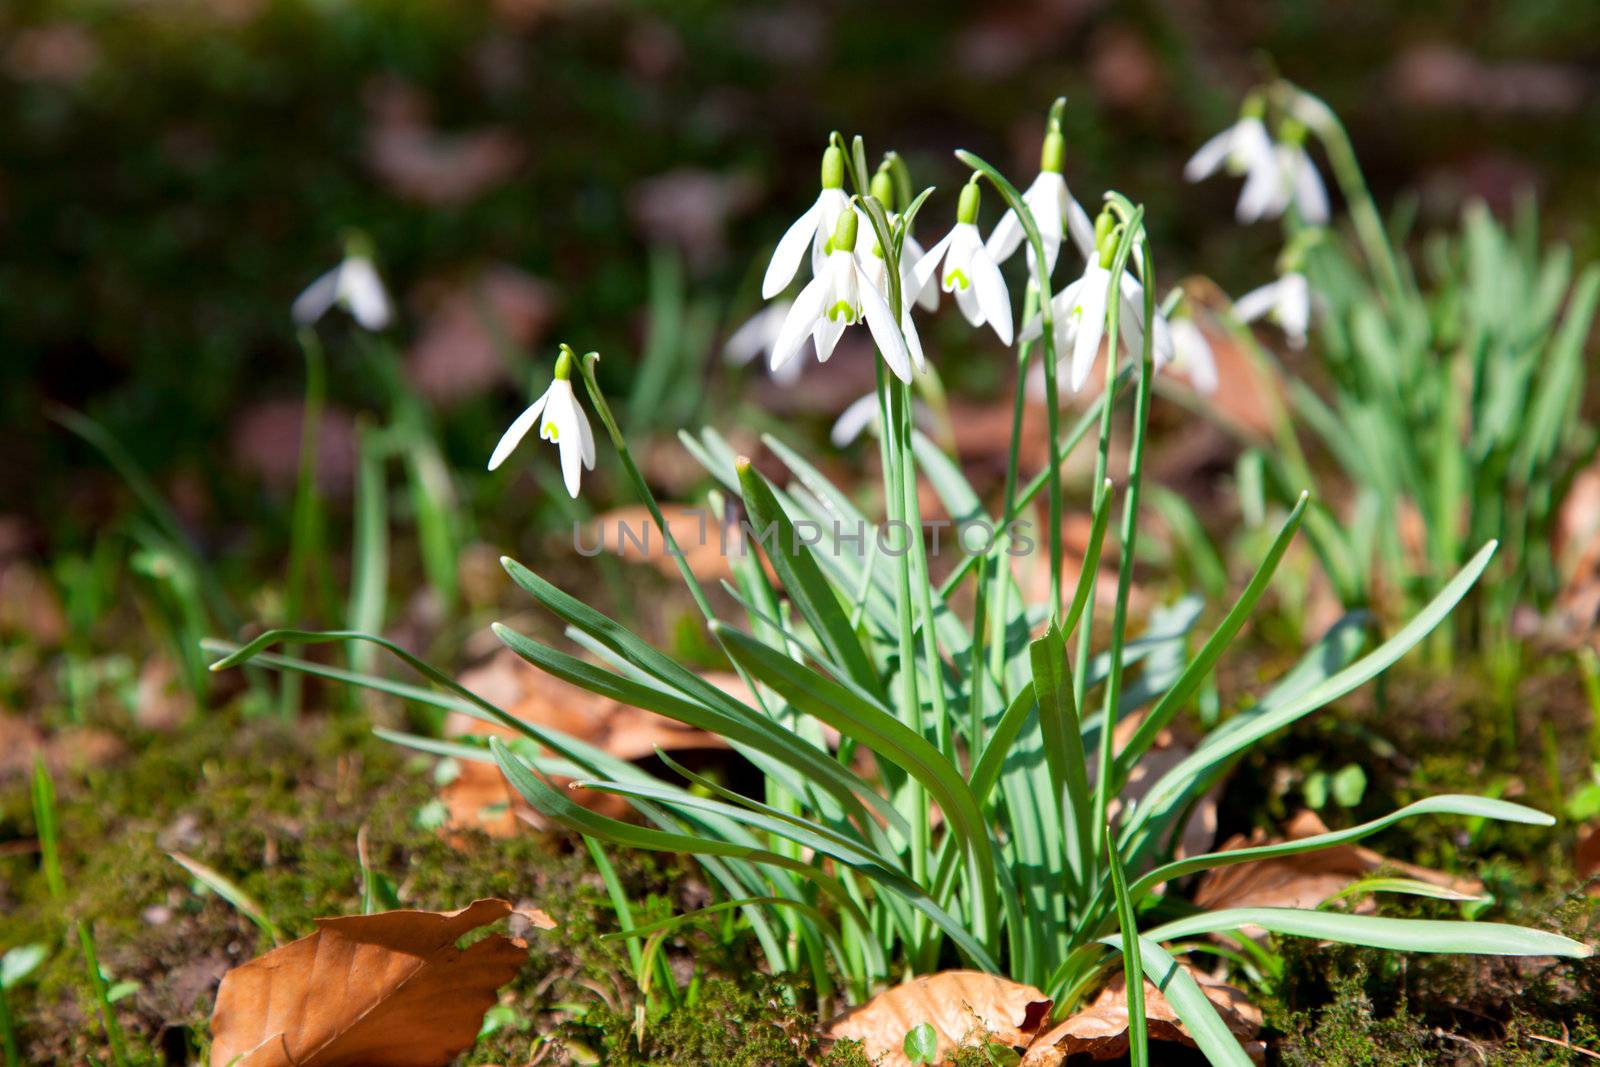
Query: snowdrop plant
pixel 561 422
pixel 1456 377
pixel 942 785
pixel 353 285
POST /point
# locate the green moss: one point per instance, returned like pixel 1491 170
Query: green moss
pixel 276 808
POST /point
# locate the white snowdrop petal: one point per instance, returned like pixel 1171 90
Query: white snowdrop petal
pixel 791 249
pixel 852 420
pixel 1210 156
pixel 880 321
pixel 363 293
pixel 928 265
pixel 1310 195
pixel 991 292
pixel 316 299
pixel 1256 303
pixel 517 431
pixel 798 322
pixel 1006 237
pixel 825 336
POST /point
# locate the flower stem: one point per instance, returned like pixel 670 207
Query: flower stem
pixel 1128 534
pixel 603 410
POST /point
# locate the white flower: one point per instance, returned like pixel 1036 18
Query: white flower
pixel 841 295
pixel 875 269
pixel 1286 302
pixel 1300 183
pixel 561 421
pixel 969 271
pixel 1191 353
pixel 353 285
pixel 811 229
pixel 1079 316
pixel 1054 210
pixel 863 412
pixel 757 336
pixel 1246 149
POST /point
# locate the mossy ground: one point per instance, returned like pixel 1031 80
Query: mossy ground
pixel 277 807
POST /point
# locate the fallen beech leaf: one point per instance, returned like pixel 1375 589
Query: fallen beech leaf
pixel 1586 859
pixel 960 1006
pixel 1307 879
pixel 1101 1029
pixel 708 546
pixel 1167 751
pixel 72 749
pixel 384 990
pixel 479 798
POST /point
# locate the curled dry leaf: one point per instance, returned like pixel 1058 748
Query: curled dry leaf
pixel 480 798
pixel 961 1006
pixel 1101 1030
pixel 1307 879
pixel 384 990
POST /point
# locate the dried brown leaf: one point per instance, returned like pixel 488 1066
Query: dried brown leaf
pixel 1101 1029
pixel 1586 859
pixel 1307 879
pixel 384 990
pixel 961 1006
pixel 480 798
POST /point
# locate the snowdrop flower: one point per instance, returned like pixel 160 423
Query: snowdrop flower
pixel 1245 148
pixel 1054 209
pixel 1286 302
pixel 561 421
pixel 1299 183
pixel 811 229
pixel 970 272
pixel 1079 313
pixel 863 412
pixel 353 285
pixel 757 337
pixel 843 294
pixel 1191 353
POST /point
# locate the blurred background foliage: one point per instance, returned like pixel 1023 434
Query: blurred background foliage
pixel 172 172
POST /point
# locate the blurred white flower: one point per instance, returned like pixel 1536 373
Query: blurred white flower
pixel 757 336
pixel 561 421
pixel 1299 183
pixel 1191 353
pixel 1286 302
pixel 863 412
pixel 841 295
pixel 353 285
pixel 811 229
pixel 969 271
pixel 1245 148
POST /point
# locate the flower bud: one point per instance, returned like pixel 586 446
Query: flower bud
pixel 833 168
pixel 967 206
pixel 882 187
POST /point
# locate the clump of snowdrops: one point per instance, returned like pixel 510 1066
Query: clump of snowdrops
pixel 1455 379
pixel 970 804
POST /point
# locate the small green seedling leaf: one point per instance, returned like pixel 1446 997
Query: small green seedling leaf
pixel 1349 785
pixel 921 1043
